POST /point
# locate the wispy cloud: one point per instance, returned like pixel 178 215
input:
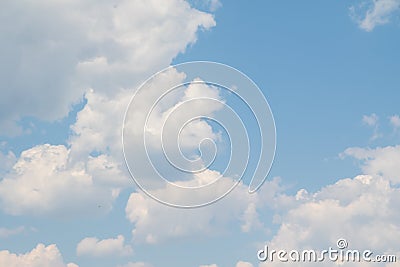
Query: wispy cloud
pixel 373 122
pixel 6 232
pixel 371 14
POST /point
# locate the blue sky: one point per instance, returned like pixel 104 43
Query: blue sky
pixel 320 73
pixel 328 70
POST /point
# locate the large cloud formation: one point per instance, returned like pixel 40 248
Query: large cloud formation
pixel 54 52
pixel 96 50
pixel 363 210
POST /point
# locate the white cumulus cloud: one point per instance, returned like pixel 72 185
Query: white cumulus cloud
pixel 92 246
pixel 43 181
pixel 155 223
pixel 363 210
pixel 107 47
pixel 41 256
pixel 50 57
pixel 381 161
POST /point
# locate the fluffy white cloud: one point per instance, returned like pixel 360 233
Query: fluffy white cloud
pixel 212 265
pixel 109 47
pixel 44 181
pixel 194 132
pixel 50 60
pixel 378 13
pixel 41 256
pixel 383 161
pixel 92 246
pixel 362 210
pixel 45 177
pixel 155 223
pixel 98 125
pixel 343 208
